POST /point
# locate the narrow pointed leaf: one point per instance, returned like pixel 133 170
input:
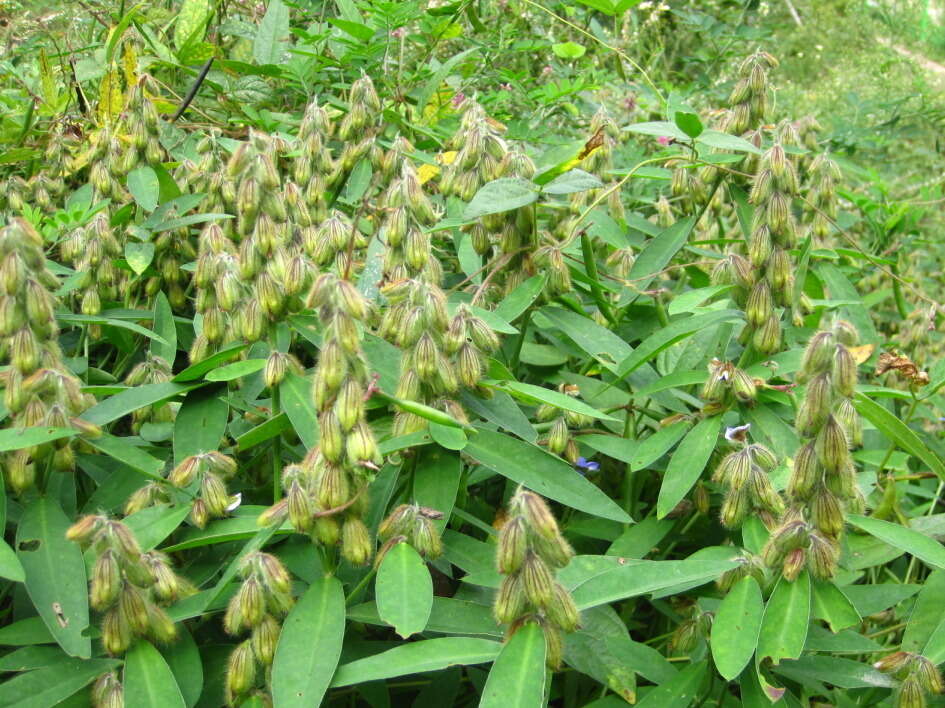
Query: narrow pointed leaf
pixel 736 626
pixel 517 677
pixel 786 618
pixel 149 682
pixel 687 464
pixel 918 544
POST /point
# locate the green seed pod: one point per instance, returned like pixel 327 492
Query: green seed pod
pixel 767 338
pixel 760 306
pixel 349 406
pixel 845 333
pixel 331 436
pixel 106 581
pixel 734 508
pixel 815 408
pixel 819 355
pixel 509 600
pixel 327 530
pixel 763 457
pixel 537 514
pixel 895 662
pixel 556 552
pixel 734 469
pixel 743 386
pixel 554 647
pixel 241 670
pixel 469 366
pixel 361 446
pixel 426 539
pixel 160 626
pixel 844 372
pixel 833 450
pixel 199 514
pixel 264 638
pixel 759 246
pixel 214 494
pixel 806 474
pixel 823 556
pixel 793 564
pixel 398 523
pixel 558 436
pixel 513 544
pixel 929 677
pixel 826 513
pixel 562 611
pixel 356 546
pixel 252 604
pixel 167 586
pixel 334 489
pixel 131 605
pixel 537 581
pixel 107 692
pixel 849 420
pixel 116 632
pixel 763 494
pixel 299 508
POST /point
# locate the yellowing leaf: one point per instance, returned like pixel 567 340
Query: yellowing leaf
pixel 130 64
pixel 48 82
pixel 862 353
pixel 110 100
pixel 427 172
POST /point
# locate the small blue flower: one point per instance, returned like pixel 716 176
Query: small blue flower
pixel 585 464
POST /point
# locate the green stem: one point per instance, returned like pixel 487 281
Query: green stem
pixel 360 586
pixel 590 266
pixel 520 340
pixel 276 449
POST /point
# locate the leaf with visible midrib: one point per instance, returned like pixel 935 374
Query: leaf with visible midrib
pixel 309 645
pixel 149 682
pixel 687 464
pixel 272 33
pixel 736 626
pixel 918 544
pixel 55 575
pixel 786 618
pixel 404 590
pixel 517 677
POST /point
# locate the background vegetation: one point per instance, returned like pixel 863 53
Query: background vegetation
pixel 489 352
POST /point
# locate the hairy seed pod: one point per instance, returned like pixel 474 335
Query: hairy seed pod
pixel 819 355
pixel 536 512
pixel 844 372
pixel 131 604
pixel 806 474
pixel 105 584
pixel 510 600
pixel 815 408
pixel 513 544
pixel 734 508
pixel 562 611
pixel 426 539
pixel 264 638
pixel 537 582
pixel 826 513
pixel 558 436
pixel 356 546
pixel 767 338
pixel 833 450
pixel 743 386
pixel 241 669
pixel 793 564
pixel 116 632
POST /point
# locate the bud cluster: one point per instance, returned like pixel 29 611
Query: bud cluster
pixel 529 551
pixel 919 678
pixel 154 369
pixel 262 601
pixel 128 585
pixel 745 474
pixel 599 161
pixel 39 191
pixel 107 692
pixel 40 390
pixel 326 495
pixel 360 124
pixel 209 471
pixel 688 633
pixel 823 482
pixel 748 102
pixel 414 524
pixel 821 194
pixel 559 439
pixel 727 385
pixel 91 251
pixel 765 279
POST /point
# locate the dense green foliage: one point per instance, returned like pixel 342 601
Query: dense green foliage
pixel 489 352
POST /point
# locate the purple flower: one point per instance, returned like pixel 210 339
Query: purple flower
pixel 589 465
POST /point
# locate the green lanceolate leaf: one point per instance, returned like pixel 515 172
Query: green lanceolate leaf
pixel 736 626
pixel 517 677
pixel 164 326
pixel 10 566
pixel 417 657
pixel 501 195
pixel 148 680
pixel 786 618
pixel 687 463
pixel 830 604
pixel 271 44
pixel 309 645
pixel 55 575
pixel 679 692
pixel 201 422
pixel 659 251
pixel 404 590
pixel 897 431
pixel 918 544
pixel 52 685
pixel 541 472
pixel 532 394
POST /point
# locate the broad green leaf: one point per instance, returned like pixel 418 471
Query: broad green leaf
pixel 521 298
pixel 436 482
pixel 680 691
pixel 447 436
pixel 155 523
pixel 897 431
pixel 26 632
pixel 674 332
pixel 192 18
pixel 830 604
pixel 786 618
pixel 10 566
pixel 619 448
pixel 145 188
pixel 568 50
pixel 417 657
pixel 870 599
pixel 55 575
pixel 835 670
pixel 310 645
pixel 52 685
pixel 241 525
pixel 724 141
pixel 448 616
pixel 500 195
pixel 572 181
pixel 517 677
pixel 148 680
pixel 272 35
pixel 687 463
pixel 541 472
pixel 688 123
pixel 736 626
pixel 634 578
pixel 404 590
pixel 842 289
pixel 183 658
pixel 691 299
pixel 640 539
pixel 659 251
pixel 927 616
pixel 197 371
pixel 921 546
pixel 130 400
pixel 296 398
pixel 656 445
pixel 263 432
pixel 538 394
pixel 845 641
pixel 123 451
pixel 18 438
pixel 34 657
pixel 201 422
pixel 236 370
pixel 163 324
